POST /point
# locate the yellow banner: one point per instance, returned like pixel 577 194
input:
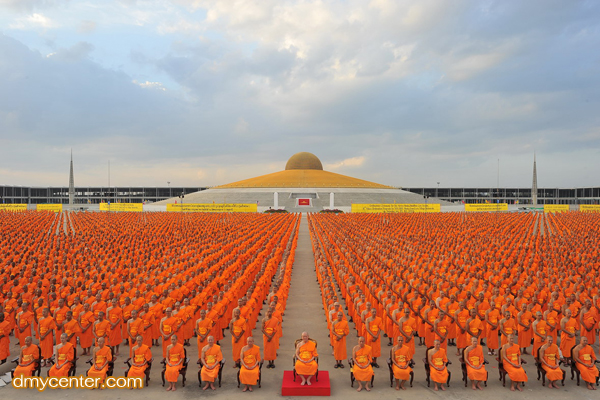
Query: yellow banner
pixel 395 208
pixel 589 207
pixel 556 208
pixel 487 207
pixel 131 207
pixel 49 207
pixel 212 208
pixel 13 207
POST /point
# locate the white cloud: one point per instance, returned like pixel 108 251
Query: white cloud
pixel 348 162
pixel 150 85
pixel 34 20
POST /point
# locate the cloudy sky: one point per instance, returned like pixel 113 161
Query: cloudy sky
pixel 198 92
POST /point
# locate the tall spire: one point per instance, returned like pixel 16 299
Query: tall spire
pixel 534 187
pixel 71 182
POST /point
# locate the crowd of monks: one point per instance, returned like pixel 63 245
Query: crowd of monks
pixel 516 283
pixel 142 284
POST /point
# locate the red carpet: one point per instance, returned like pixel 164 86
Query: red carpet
pixel 291 388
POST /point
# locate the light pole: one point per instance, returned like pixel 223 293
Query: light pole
pixel 437 192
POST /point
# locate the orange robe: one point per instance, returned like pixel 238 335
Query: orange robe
pixel 538 342
pixel 588 356
pixel 65 355
pixel 250 356
pixel 135 328
pixel 25 319
pixel 590 320
pixel 402 356
pixel 5 341
pixel 525 335
pixel 339 346
pixel 72 328
pixel 439 359
pixel 567 342
pixel 175 354
pixel 168 326
pixel 492 334
pixel 363 357
pixel 29 354
pixel 462 338
pixel 102 356
pixel 375 326
pixel 270 348
pixel 212 356
pixel 551 356
pixel 86 338
pixel 114 337
pixel 307 351
pixel 203 327
pixel 475 357
pixel 47 344
pixel 148 325
pixel 138 368
pixel 515 374
pixel 236 348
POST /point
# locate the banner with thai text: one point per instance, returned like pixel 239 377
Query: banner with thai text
pixel 487 207
pixel 395 208
pixel 119 207
pixel 556 208
pixel 212 208
pixel 13 207
pixel 49 207
pixel 589 207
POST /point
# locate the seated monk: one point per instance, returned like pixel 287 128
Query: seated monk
pixel 511 359
pixel 101 356
pixel 362 370
pixel 584 358
pixel 64 354
pixel 437 364
pixel 29 358
pixel 249 360
pixel 306 353
pixel 549 358
pixel 474 361
pixel 141 357
pixel 174 362
pixel 401 356
pixel 210 358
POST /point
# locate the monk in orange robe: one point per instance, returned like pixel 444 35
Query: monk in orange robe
pixel 203 328
pixel 64 354
pixel 175 358
pixel 115 317
pixel 238 329
pixel 28 358
pixel 362 370
pixel 339 331
pixel 492 319
pixel 508 326
pixel 373 329
pixel 249 364
pixel 135 326
pixel 140 359
pixel 438 371
pixel 539 328
pixel 168 327
pixel 588 319
pixel 86 320
pixel 401 357
pixel 4 339
pixel 101 328
pixel 46 326
pixel 584 358
pixel 210 359
pixel 270 329
pixel 101 356
pixel 474 361
pixel 549 357
pixel 511 360
pixel 406 327
pixel 71 328
pixel 24 323
pixel 148 318
pixel 306 365
pixel 568 328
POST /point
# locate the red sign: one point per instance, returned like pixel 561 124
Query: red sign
pixel 304 202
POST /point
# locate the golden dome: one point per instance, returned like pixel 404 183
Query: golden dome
pixel 304 160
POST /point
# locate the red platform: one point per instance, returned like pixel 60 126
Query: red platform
pixel 291 388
